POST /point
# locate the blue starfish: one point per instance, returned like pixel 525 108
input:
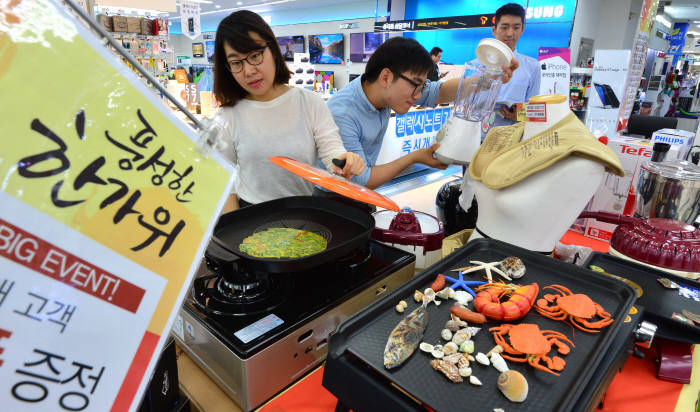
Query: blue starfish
pixel 464 284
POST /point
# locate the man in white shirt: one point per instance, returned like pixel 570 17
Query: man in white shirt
pixel 525 83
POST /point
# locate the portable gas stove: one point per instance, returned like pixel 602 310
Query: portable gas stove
pixel 256 333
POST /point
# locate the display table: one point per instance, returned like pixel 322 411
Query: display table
pixel 634 389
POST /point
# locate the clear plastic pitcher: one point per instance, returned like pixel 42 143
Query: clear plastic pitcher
pixel 477 92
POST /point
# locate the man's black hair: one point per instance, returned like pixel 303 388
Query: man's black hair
pixel 510 9
pixel 399 55
pixel 435 51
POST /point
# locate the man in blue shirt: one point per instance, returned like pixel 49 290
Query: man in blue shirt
pixel 395 78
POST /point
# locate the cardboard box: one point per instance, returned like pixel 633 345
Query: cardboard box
pixel 613 191
pixel 119 24
pixel 146 26
pixel 680 141
pixel 133 24
pixel 455 241
pixel 105 21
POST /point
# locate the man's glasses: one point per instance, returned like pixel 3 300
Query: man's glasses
pixel 418 87
pixel 254 59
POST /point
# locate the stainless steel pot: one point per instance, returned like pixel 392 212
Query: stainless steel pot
pixel 669 190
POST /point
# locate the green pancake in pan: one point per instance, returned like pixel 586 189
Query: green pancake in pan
pixel 278 242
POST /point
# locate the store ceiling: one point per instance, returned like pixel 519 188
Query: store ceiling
pixel 684 10
pixel 208 7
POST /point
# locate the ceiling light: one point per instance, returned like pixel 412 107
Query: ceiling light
pixel 218 6
pixel 663 20
pixel 239 3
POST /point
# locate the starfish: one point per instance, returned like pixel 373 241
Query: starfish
pixel 488 267
pixel 464 284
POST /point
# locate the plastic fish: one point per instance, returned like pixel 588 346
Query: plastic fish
pixel 406 336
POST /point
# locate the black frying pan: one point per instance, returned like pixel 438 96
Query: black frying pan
pixel 345 227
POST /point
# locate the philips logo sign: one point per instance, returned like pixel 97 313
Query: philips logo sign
pixel 534 13
pixel 670 139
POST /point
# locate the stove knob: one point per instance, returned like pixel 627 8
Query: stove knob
pixel 644 335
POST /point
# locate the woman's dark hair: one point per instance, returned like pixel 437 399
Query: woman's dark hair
pixel 399 55
pixel 235 31
pixel 510 9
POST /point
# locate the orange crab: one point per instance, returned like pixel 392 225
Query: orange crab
pixel 533 345
pixel 577 307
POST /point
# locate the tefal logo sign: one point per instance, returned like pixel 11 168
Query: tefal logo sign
pixel 635 151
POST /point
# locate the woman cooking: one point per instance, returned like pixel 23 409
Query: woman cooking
pixel 264 117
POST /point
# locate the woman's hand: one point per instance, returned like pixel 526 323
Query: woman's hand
pixel 354 165
pixel 508 71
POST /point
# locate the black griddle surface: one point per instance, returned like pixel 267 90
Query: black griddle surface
pixel 365 335
pixel 660 303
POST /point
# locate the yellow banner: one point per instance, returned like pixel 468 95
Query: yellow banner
pixel 82 144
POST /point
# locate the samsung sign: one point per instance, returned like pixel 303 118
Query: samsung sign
pixel 534 13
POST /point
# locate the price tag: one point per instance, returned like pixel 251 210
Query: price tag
pixel 191 95
pixel 536 112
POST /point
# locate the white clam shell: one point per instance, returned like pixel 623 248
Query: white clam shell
pixel 465 371
pixel 426 347
pixel 437 354
pixel 474 380
pixel 482 359
pixel 451 293
pixel 463 297
pixel 498 362
pixel 443 294
pixel 446 334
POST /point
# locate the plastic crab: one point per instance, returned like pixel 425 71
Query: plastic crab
pixel 530 344
pixel 577 307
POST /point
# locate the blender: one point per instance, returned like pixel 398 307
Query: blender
pixel 477 93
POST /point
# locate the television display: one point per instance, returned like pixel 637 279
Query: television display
pixel 209 46
pixel 326 48
pixel 290 45
pixel 362 45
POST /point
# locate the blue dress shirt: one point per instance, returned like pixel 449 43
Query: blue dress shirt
pixel 362 126
pixel 524 84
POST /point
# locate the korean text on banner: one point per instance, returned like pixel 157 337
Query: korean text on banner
pixel 555 63
pixel 104 206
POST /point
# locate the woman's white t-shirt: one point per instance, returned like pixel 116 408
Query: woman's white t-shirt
pixel 296 124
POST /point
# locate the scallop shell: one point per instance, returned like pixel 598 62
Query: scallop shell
pixel 513 267
pixel 426 347
pixel 463 362
pixel 498 362
pixel 443 294
pixel 513 385
pixel 454 358
pixel 446 334
pixel 452 326
pixel 482 359
pixel 460 337
pixel 474 380
pixel 450 348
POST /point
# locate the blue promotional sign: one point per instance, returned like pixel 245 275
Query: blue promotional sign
pixel 676 41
